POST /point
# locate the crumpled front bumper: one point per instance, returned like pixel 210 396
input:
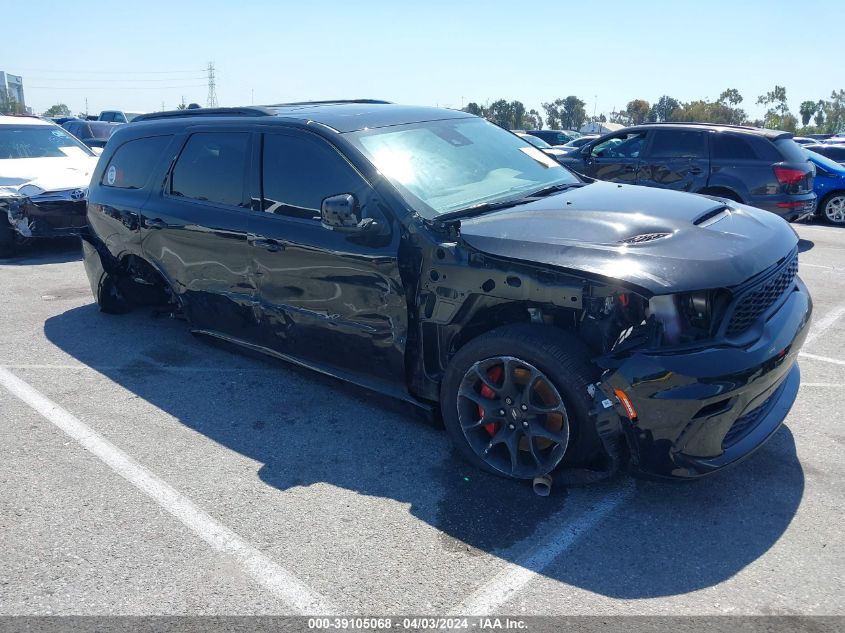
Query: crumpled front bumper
pixel 33 217
pixel 697 412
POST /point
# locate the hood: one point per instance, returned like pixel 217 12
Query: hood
pixel 677 242
pixel 34 176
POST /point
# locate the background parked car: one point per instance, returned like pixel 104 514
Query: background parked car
pixel 829 186
pixel 554 152
pixel 44 176
pixel 762 168
pixel 581 140
pixel 833 152
pixel 92 133
pixel 554 137
pixel 804 140
pixel 118 116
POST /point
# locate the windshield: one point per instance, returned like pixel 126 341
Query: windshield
pixel 132 115
pixel 38 141
pixel 447 166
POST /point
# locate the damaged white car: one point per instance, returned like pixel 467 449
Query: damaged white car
pixel 44 176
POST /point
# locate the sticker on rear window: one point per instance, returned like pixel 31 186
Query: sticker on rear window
pixel 111 175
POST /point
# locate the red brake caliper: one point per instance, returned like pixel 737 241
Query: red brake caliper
pixel 495 375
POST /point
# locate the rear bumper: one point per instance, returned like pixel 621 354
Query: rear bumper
pixel 698 412
pixel 789 207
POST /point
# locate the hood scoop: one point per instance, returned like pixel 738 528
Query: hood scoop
pixel 712 216
pixel 644 237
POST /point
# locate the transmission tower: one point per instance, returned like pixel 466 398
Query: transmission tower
pixel 211 102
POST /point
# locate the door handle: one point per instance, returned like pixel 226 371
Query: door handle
pixel 155 223
pixel 267 244
pixel 695 170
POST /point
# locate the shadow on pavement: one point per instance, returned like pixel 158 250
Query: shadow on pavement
pixel 46 251
pixel 303 428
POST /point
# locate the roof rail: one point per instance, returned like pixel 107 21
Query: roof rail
pixel 741 127
pixel 327 102
pixel 172 114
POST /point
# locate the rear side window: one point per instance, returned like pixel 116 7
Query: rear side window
pixel 133 162
pixel 731 147
pixel 211 168
pixel 678 144
pixel 790 150
pixel 298 173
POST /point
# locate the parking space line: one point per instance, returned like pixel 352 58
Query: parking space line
pixel 826 322
pixel 272 576
pixel 824 359
pixel 504 585
pixel 826 385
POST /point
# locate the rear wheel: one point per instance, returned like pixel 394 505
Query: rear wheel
pixel 833 208
pixel 515 401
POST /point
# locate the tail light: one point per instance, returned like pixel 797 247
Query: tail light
pixel 789 176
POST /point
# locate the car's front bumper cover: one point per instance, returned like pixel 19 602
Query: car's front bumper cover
pixel 699 411
pixel 54 215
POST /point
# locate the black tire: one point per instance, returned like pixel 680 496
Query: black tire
pixel 560 357
pixel 831 216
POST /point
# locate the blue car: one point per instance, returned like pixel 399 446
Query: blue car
pixel 829 187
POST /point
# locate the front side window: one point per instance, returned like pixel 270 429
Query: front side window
pixel 298 173
pixel 211 168
pixel 454 164
pixel 39 141
pixel 133 162
pixel 678 144
pixel 622 146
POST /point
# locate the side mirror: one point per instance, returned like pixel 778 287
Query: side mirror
pixel 341 213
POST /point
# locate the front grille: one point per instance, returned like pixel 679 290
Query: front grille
pixel 759 299
pixel 746 423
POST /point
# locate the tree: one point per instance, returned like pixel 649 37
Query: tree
pixel 664 110
pixel 532 120
pixel 776 100
pixel 819 118
pixel 473 108
pixel 807 109
pixel 834 112
pixel 60 109
pixel 730 97
pixel 572 113
pixel 637 111
pixel 553 113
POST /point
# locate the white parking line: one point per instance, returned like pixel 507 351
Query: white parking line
pixel 278 580
pixel 826 385
pixel 824 359
pixel 517 574
pixel 150 367
pixel 826 322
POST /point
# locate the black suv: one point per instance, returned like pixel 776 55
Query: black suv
pixel 431 255
pixel 554 137
pixel 762 168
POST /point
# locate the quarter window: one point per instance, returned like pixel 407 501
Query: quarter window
pixel 211 168
pixel 133 162
pixel 678 144
pixel 298 173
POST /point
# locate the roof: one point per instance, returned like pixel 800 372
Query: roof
pixel 341 116
pixel 718 127
pixel 23 119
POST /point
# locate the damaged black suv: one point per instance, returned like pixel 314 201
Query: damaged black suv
pixel 430 255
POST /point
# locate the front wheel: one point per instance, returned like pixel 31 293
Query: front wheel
pixel 515 401
pixel 833 208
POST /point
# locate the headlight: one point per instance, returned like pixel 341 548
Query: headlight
pixel 689 316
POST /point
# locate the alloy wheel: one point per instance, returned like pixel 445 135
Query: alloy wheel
pixel 513 417
pixel 834 210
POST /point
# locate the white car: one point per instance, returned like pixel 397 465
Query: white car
pixel 118 116
pixel 44 177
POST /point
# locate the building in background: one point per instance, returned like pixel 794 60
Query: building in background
pixel 11 93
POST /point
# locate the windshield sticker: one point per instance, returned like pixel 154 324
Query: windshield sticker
pixel 111 175
pixel 540 157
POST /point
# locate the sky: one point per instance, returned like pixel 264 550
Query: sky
pixel 139 56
